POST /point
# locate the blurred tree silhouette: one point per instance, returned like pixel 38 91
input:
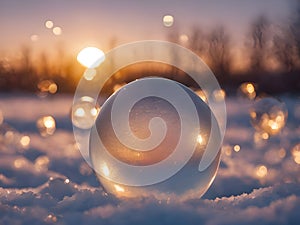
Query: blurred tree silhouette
pixel 174 36
pixel 295 28
pixel 258 51
pixel 198 42
pixel 284 49
pixel 218 53
pixel 267 46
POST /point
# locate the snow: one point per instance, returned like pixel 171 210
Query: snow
pixel 50 182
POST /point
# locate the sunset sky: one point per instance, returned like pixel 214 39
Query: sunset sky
pixel 57 101
pixel 97 23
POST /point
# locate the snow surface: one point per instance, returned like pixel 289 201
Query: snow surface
pixel 51 183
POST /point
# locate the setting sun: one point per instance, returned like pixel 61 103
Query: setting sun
pixel 90 57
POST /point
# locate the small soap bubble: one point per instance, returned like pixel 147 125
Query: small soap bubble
pixel 46 126
pixel 84 113
pixel 268 115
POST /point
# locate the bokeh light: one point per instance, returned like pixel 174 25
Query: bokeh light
pixel 57 31
pixel 25 141
pixel 261 171
pixel 41 163
pixel 119 188
pixel 49 24
pixel 268 115
pixel 296 153
pixel 227 150
pixel 20 163
pixel 67 181
pixel 265 136
pixel 34 37
pixel 236 148
pixel 89 74
pixel 168 20
pixel 46 125
pixel 260 137
pixel 51 219
pixel 200 139
pixel 274 156
pixel 247 90
pixel 9 136
pixel 183 38
pixel 90 57
pixel 47 86
pixel 84 113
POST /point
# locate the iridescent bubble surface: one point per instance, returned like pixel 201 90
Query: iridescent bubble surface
pixel 188 182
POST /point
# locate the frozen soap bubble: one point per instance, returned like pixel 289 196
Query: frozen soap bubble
pixel 268 115
pixel 149 139
pixel 84 113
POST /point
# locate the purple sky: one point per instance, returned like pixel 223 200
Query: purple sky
pixel 95 22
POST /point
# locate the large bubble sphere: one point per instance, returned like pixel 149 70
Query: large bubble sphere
pixel 268 115
pixel 154 146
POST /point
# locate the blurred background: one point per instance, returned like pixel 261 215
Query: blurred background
pixel 255 41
